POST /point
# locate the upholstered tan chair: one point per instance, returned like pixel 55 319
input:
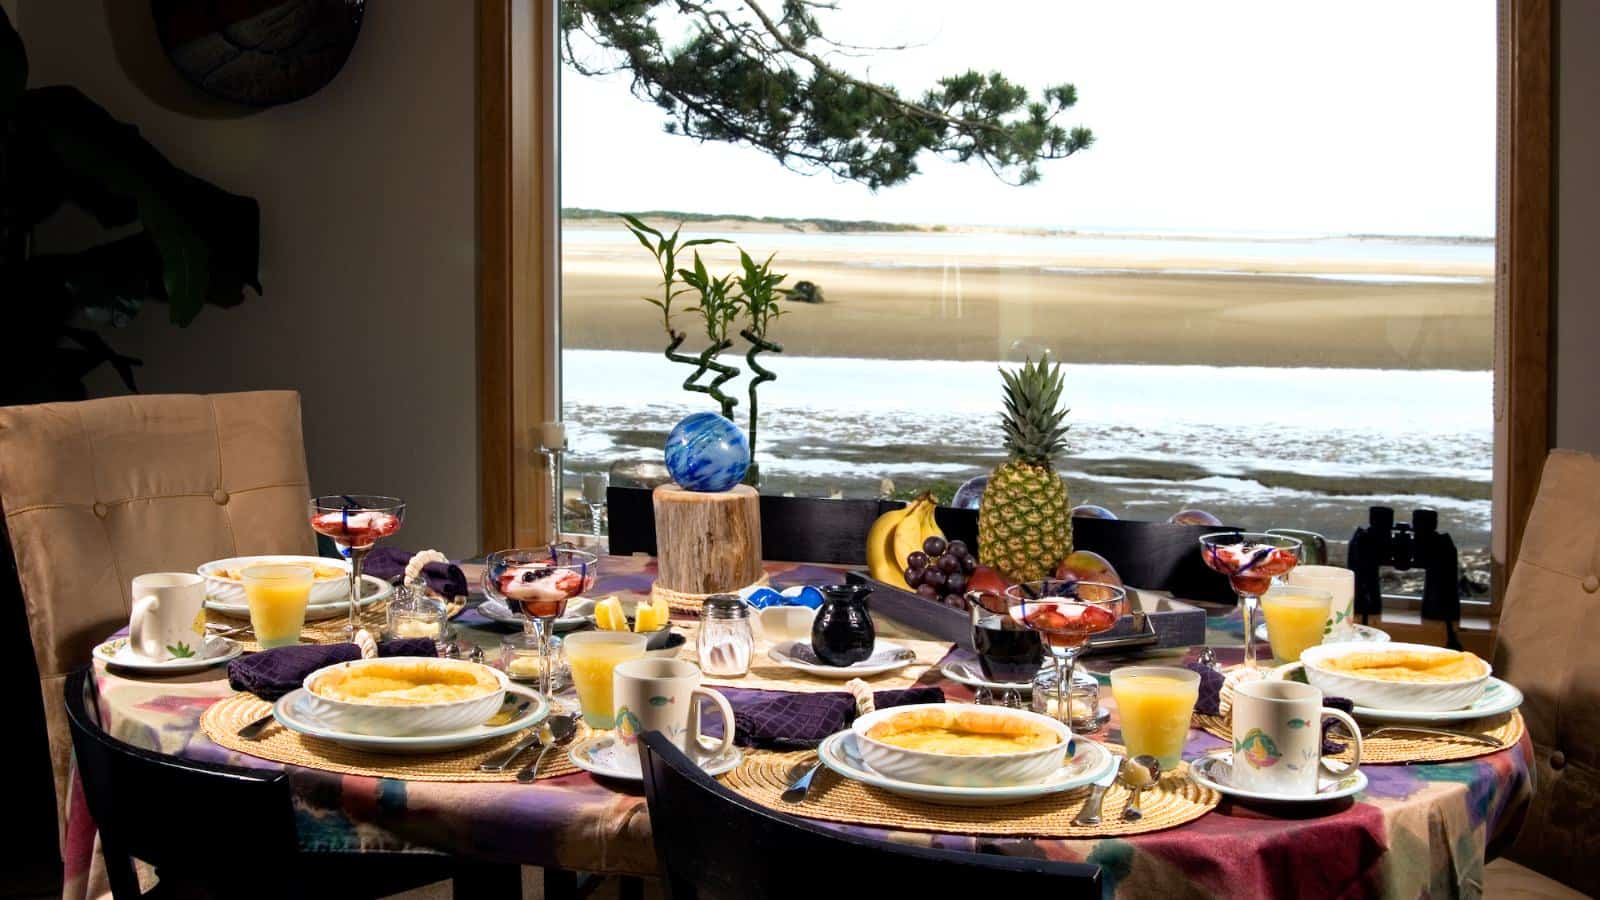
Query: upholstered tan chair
pixel 1549 646
pixel 97 492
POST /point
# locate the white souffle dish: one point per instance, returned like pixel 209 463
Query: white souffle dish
pixel 403 719
pixel 229 591
pixel 1430 696
pixel 953 770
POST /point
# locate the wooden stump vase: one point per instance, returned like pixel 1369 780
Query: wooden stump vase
pixel 707 542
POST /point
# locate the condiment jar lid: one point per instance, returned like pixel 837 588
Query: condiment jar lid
pixel 724 606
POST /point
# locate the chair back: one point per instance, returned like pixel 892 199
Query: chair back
pixel 152 806
pixel 712 844
pixel 1549 629
pixel 97 492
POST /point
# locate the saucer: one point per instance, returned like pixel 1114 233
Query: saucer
pixel 959 674
pixel 290 712
pixel 605 755
pixel 1089 761
pixel 1358 634
pixel 1214 771
pixel 886 657
pixel 217 651
pixel 1499 696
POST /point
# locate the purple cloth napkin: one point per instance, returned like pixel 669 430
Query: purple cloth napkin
pixel 389 563
pixel 785 720
pixel 272 673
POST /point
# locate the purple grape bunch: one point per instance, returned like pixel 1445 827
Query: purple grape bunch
pixel 939 571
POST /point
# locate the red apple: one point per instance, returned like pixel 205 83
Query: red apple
pixel 1194 517
pixel 1087 565
pixel 990 587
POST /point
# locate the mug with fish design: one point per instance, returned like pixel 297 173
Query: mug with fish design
pixel 653 694
pixel 1277 737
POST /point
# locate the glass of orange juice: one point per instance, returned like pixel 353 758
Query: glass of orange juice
pixel 1297 618
pixel 591 655
pixel 277 594
pixel 1154 704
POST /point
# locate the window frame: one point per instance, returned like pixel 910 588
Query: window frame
pixel 519 279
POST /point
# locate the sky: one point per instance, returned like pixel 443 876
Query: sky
pixel 1210 116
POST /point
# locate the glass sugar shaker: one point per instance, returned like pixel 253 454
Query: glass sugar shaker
pixel 726 641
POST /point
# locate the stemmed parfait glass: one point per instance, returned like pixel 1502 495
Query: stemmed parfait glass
pixel 538 583
pixel 355 523
pixel 1065 613
pixel 1250 559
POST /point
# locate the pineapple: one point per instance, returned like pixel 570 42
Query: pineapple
pixel 1024 526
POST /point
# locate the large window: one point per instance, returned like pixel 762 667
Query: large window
pixel 1270 277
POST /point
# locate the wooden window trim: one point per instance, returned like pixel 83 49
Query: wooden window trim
pixel 518 372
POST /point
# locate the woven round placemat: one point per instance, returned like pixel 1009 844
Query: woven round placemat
pixel 689 604
pixel 224 718
pixel 764 776
pixel 1399 748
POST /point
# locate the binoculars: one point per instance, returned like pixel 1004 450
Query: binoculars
pixel 1418 545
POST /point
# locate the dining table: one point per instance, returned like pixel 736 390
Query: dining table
pixel 1416 829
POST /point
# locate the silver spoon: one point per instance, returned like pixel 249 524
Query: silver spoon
pixel 553 733
pixel 1138 773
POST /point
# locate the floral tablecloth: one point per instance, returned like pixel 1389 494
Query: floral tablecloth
pixel 1418 830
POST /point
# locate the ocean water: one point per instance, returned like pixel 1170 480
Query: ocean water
pixel 1260 447
pixel 1184 254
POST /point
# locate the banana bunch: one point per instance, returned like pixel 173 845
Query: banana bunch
pixel 895 535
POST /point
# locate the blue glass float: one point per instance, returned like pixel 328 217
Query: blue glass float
pixel 706 452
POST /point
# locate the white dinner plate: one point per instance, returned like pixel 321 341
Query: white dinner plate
pixel 290 711
pixel 1089 761
pixel 1213 772
pixel 887 656
pixel 958 673
pixel 497 611
pixel 604 754
pixel 217 651
pixel 1499 696
pixel 1361 634
pixel 373 590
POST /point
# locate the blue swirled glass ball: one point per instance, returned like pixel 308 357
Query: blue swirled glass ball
pixel 706 452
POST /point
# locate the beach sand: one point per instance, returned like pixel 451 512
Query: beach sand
pixel 1112 309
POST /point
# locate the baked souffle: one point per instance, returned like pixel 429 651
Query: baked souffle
pixel 1408 665
pixel 405 683
pixel 962 732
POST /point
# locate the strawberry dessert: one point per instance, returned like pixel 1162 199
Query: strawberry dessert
pixel 541 589
pixel 1066 623
pixel 358 528
pixel 1250 567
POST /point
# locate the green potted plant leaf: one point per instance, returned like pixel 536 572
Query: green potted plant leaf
pixel 177 239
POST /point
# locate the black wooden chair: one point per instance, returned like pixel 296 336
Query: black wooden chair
pixel 1152 555
pixel 226 831
pixel 712 844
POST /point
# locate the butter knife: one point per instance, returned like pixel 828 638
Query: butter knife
pixel 801 786
pixel 253 730
pixel 1090 814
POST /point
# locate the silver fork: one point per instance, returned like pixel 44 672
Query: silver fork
pixel 1480 739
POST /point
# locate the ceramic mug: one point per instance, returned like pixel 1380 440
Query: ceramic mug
pixel 1341 583
pixel 663 695
pixel 169 616
pixel 1277 737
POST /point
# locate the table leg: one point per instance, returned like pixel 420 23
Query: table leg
pixel 488 880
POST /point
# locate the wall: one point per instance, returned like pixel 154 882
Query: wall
pixel 367 247
pixel 1577 309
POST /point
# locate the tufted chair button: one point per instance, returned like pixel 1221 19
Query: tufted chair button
pixel 100 510
pixel 1591 583
pixel 1558 760
pixel 221 496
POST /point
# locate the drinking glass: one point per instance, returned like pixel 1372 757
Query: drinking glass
pixel 1066 614
pixel 277 595
pixel 1338 581
pixel 1250 559
pixel 1297 618
pixel 355 523
pixel 1154 704
pixel 594 495
pixel 591 657
pixel 538 583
